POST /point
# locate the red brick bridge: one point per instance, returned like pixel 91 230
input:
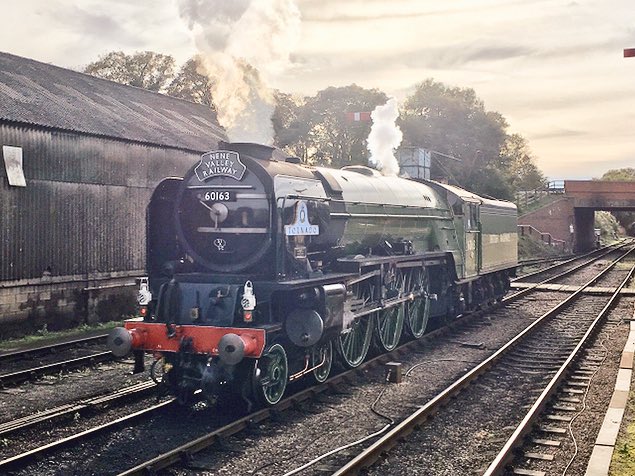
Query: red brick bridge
pixel 571 217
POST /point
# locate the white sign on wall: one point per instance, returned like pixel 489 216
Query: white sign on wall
pixel 13 165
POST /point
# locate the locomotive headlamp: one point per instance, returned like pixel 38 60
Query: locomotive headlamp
pixel 248 302
pixel 144 296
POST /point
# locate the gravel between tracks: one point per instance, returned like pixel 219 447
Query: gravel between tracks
pixel 54 390
pixel 446 449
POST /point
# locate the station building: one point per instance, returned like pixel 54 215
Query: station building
pixel 80 158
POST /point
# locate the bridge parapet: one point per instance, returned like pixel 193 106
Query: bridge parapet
pixel 601 195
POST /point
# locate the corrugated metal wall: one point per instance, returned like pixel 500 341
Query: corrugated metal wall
pixel 83 209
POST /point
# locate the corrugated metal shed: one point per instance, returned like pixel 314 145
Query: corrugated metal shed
pixel 92 150
pixel 41 94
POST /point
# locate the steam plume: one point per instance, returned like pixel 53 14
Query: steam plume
pixel 385 136
pixel 243 45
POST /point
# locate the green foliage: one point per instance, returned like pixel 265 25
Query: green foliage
pixel 192 85
pixel 608 225
pixel 291 125
pixel 316 128
pixel 521 169
pixel 626 219
pixel 619 175
pixel 454 121
pixel 623 461
pixel 437 117
pixel 143 69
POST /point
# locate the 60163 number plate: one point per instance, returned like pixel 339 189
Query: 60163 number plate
pixel 217 196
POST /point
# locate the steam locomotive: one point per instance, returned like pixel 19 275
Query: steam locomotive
pixel 262 271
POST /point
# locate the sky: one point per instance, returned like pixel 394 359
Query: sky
pixel 553 68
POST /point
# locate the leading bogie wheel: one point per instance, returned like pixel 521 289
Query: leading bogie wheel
pixel 274 373
pixel 418 310
pixel 322 355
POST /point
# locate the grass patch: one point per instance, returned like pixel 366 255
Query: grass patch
pixel 43 336
pixel 623 461
pixel 531 248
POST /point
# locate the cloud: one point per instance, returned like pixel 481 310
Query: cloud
pixel 450 56
pixel 96 25
pixel 558 132
pixel 331 11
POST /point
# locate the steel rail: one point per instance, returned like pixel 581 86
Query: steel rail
pixel 535 261
pixel 73 408
pixel 27 457
pixel 506 454
pixel 416 419
pixel 568 272
pixel 30 373
pixel 15 354
pixel 601 252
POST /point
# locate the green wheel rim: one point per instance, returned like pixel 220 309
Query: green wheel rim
pixel 354 344
pixel 322 353
pixel 275 373
pixel 390 321
pixel 418 311
pixel 389 327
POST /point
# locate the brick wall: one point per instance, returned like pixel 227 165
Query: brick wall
pixel 553 218
pixel 65 301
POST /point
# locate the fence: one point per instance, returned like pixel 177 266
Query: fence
pixel 529 198
pixel 528 230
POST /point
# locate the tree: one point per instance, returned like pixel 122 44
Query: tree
pixel 291 125
pixel 454 121
pixel 192 85
pixel 626 219
pixel 619 175
pixel 318 126
pixel 143 69
pixel 520 168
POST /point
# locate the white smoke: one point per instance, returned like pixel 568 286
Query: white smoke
pixel 243 45
pixel 385 136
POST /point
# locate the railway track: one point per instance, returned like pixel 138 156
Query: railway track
pixel 19 376
pixel 545 350
pixel 76 409
pixel 23 459
pixel 569 266
pixel 55 350
pixel 11 355
pixel 185 452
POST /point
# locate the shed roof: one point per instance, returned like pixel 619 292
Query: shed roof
pixel 42 94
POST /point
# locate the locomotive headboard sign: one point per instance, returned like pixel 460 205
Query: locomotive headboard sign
pixel 217 163
pixel 301 225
